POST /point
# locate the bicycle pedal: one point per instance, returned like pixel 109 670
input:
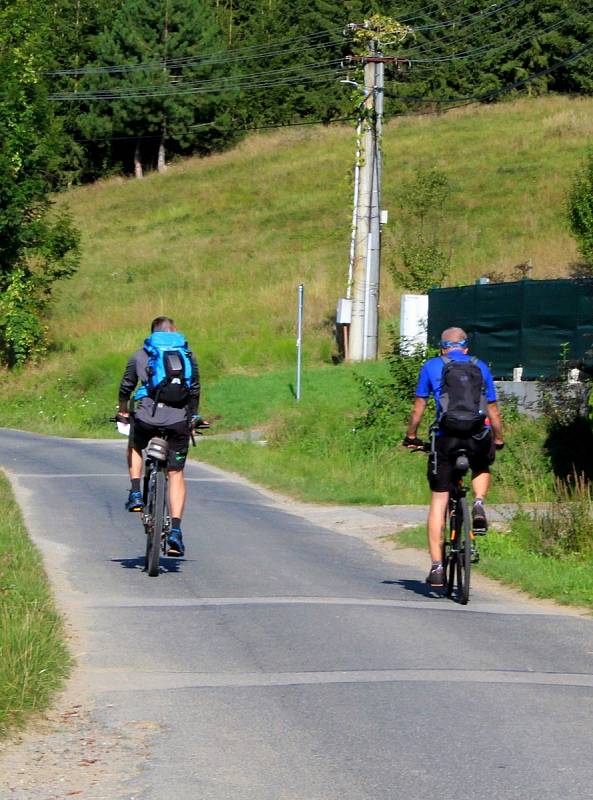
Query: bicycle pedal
pixel 475 559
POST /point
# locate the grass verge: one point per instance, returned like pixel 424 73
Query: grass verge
pixel 33 656
pixel 319 451
pixel 504 557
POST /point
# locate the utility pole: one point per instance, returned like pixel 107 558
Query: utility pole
pixel 366 277
pixel 363 217
pixel 373 262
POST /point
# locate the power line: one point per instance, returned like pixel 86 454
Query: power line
pixel 425 11
pixel 452 103
pixel 232 85
pixel 177 85
pixel 459 102
pixel 232 129
pixel 218 56
pixel 432 47
pixel 488 49
pixel 259 79
pixel 492 9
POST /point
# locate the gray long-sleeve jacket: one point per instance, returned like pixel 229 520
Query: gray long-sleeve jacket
pixel 164 415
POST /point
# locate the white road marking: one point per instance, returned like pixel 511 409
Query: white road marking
pixel 118 680
pixel 123 475
pixel 429 604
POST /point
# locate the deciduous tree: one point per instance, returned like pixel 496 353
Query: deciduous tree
pixel 37 246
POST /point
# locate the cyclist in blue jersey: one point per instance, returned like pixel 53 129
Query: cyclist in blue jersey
pixel 480 444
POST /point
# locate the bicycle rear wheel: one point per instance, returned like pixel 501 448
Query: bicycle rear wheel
pixel 449 555
pixel 157 521
pixel 464 560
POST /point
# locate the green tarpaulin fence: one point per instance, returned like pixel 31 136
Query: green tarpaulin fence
pixel 525 323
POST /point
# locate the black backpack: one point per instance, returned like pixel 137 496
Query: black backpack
pixel 463 398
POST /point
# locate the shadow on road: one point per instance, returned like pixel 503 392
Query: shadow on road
pixel 417 587
pixel 167 564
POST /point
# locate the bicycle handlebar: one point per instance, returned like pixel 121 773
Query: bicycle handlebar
pixel 416 445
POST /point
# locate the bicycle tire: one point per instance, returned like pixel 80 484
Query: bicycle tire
pixel 450 558
pixel 157 511
pixel 464 562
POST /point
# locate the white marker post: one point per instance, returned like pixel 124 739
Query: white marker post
pixel 299 341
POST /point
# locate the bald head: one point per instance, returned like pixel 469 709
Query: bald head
pixel 453 339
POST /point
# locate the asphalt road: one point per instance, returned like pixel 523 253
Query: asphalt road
pixel 282 661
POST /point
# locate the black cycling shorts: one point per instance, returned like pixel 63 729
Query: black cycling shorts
pixel 177 435
pixel 480 452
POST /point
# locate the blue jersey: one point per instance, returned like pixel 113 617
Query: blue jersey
pixel 431 375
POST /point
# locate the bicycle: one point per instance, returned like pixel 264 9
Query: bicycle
pixel 459 550
pixel 155 516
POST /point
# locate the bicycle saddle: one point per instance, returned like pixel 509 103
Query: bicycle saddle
pixel 157 448
pixel 461 461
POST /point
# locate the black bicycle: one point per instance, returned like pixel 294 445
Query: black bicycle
pixel 459 548
pixel 155 516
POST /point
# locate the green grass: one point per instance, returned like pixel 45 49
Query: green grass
pixel 313 450
pixel 221 244
pixel 33 656
pixel 504 557
pixel 317 451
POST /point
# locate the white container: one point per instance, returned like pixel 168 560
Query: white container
pixel 344 312
pixel 413 322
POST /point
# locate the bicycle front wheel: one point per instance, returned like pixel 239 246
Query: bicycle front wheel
pixel 157 513
pixel 464 559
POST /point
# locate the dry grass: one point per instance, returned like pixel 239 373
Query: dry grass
pixel 221 243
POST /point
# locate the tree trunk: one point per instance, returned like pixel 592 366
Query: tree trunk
pixel 161 163
pixel 138 172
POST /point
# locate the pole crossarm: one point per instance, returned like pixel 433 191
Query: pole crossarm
pixel 398 60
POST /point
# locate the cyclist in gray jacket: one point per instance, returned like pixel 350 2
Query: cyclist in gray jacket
pixel 148 418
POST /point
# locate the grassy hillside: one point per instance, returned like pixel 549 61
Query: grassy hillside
pixel 221 243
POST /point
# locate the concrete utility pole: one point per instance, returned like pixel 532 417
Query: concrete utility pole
pixel 373 266
pixel 364 214
pixel 364 328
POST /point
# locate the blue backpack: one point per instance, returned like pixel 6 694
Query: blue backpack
pixel 169 370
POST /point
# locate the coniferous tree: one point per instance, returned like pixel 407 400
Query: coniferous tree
pixel 159 101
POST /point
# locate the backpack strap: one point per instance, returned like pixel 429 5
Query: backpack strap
pixel 475 360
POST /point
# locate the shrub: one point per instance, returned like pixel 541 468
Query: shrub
pixel 565 527
pixel 388 402
pixel 579 204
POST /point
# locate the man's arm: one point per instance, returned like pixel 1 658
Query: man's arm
pixel 416 416
pixel 127 385
pixel 496 422
pixel 194 388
